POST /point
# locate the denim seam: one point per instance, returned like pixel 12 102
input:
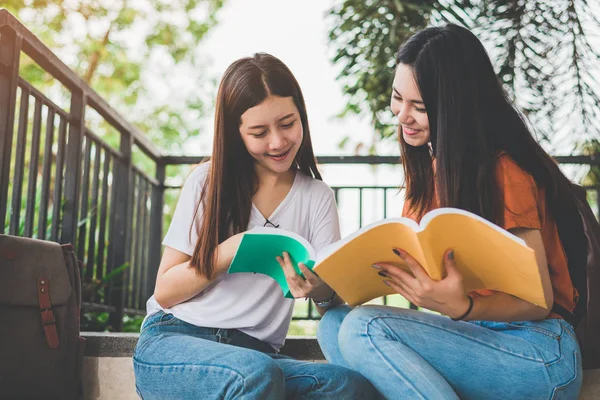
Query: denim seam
pixel 461 335
pixel 190 365
pixel 533 329
pixel 561 387
pixel 386 360
pixel 236 373
pixel 305 376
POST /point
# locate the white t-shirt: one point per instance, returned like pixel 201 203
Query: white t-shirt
pixel 252 303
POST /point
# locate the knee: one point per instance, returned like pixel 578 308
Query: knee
pixel 329 325
pixel 355 333
pixel 256 375
pixel 347 384
pixel 260 366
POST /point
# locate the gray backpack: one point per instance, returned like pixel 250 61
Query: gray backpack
pixel 41 352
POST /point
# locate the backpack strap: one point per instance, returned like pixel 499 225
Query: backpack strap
pixel 566 314
pixel 48 321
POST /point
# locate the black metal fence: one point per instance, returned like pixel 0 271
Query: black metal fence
pixel 60 181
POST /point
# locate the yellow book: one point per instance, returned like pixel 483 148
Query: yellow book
pixel 488 256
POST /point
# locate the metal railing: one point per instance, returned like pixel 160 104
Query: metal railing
pixel 61 181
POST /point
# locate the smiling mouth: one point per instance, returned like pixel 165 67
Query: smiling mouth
pixel 410 131
pixel 280 156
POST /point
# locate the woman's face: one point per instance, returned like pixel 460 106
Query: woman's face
pixel 408 106
pixel 272 132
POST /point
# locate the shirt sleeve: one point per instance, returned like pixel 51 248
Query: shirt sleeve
pixel 520 195
pixel 325 222
pixel 183 230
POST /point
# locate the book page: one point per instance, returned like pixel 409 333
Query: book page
pixel 348 269
pixel 488 256
pixel 258 251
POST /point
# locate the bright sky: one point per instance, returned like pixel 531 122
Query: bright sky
pixel 295 32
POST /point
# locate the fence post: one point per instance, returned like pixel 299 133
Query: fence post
pixel 10 51
pixel 121 230
pixel 156 228
pixel 73 167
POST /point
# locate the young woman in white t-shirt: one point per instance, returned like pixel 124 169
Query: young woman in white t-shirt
pixel 213 335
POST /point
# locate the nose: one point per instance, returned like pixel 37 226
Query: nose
pixel 404 116
pixel 278 140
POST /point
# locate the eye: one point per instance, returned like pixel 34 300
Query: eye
pixel 396 97
pixel 259 135
pixel 288 126
pixel 421 110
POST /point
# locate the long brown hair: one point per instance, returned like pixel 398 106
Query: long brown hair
pixel 226 197
pixel 472 121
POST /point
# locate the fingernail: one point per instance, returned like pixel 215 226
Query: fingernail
pixel 397 252
pixel 387 283
pixel 383 273
pixel 376 266
pixel 451 255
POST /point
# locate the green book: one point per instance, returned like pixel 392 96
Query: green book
pixel 259 248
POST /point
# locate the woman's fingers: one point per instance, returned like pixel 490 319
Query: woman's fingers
pixel 413 264
pixel 310 276
pixel 299 287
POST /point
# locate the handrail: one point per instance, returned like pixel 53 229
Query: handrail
pixel 46 59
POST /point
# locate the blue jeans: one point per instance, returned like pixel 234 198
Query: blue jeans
pixel 177 360
pixel 409 354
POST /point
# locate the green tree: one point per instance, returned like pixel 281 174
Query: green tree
pixel 129 52
pixel 540 48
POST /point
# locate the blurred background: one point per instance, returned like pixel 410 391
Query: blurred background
pixel 158 64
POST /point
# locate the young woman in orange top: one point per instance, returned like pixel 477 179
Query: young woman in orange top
pixel 465 145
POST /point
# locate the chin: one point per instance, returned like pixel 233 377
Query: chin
pixel 415 141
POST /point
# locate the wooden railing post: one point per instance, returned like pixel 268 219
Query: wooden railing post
pixel 120 237
pixel 10 50
pixel 156 229
pixel 73 167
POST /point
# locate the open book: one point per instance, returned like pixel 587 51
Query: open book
pixel 488 256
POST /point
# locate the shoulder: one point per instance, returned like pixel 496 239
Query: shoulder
pixel 509 173
pixel 198 174
pixel 314 188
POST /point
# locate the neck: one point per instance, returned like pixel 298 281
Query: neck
pixel 269 179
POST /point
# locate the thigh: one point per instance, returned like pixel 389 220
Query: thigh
pixel 315 380
pixel 493 360
pixel 185 366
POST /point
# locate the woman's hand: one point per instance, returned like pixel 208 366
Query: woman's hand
pixel 310 286
pixel 446 296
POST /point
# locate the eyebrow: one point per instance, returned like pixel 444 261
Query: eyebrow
pixel 412 101
pixel 280 119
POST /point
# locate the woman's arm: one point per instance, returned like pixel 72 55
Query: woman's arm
pixel 449 297
pixel 504 307
pixel 177 281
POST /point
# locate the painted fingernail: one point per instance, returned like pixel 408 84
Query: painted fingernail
pixel 376 266
pixel 451 255
pixel 387 283
pixel 398 253
pixel 383 273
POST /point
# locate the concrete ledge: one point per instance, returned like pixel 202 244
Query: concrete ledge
pixel 108 368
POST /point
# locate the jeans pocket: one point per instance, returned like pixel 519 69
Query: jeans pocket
pixel 546 337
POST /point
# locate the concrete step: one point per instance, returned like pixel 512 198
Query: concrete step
pixel 108 368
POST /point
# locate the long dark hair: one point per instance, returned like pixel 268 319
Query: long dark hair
pixel 227 193
pixel 472 120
